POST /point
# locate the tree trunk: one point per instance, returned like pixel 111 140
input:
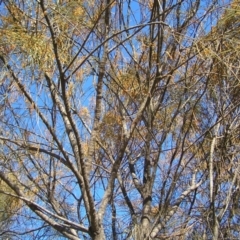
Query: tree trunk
pixel 99 235
pixel 215 230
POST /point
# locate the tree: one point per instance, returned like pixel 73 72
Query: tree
pixel 120 119
pixel 221 50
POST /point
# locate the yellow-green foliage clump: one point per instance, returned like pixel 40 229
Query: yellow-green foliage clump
pixel 8 204
pixel 20 33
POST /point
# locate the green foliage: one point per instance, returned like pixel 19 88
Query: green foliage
pixel 9 205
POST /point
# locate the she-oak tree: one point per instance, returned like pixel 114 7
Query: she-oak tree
pixel 120 119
